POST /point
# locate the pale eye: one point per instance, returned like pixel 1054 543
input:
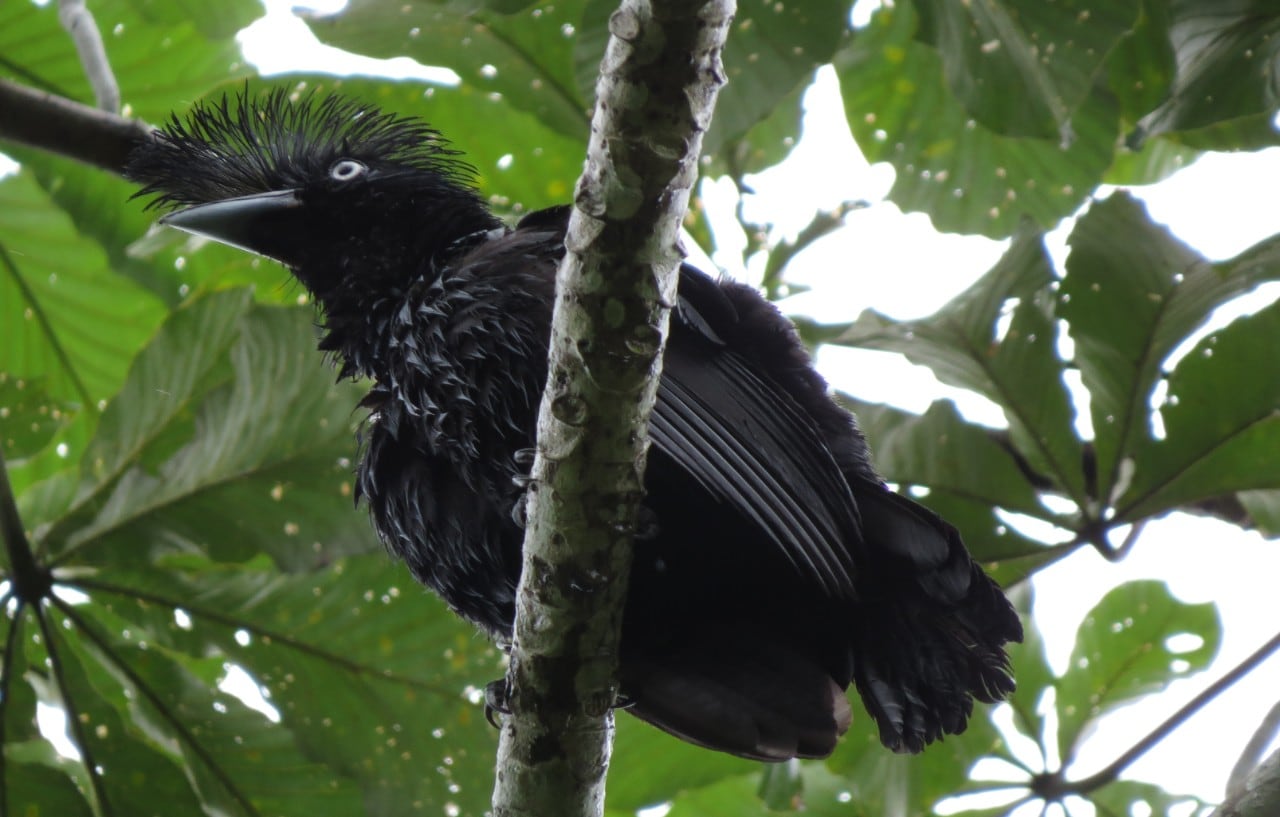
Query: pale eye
pixel 344 170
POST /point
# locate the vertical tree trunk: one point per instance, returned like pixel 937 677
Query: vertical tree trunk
pixel 657 88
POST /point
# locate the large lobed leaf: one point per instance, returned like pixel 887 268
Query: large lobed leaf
pixel 1018 367
pixel 228 422
pixel 965 175
pixel 1136 641
pixel 1132 294
pixel 1024 67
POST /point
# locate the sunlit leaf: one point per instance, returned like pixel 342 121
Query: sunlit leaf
pixel 526 59
pixel 966 177
pixel 229 438
pixel 158 53
pixel 1136 641
pixel 370 675
pixel 64 316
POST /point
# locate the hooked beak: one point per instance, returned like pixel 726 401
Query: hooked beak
pixel 268 224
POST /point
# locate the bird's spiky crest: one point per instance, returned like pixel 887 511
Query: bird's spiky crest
pixel 250 144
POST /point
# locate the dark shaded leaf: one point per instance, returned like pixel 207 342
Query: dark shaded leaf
pixel 670 766
pixel 1023 67
pixel 1225 93
pixel 1213 446
pixel 32 788
pixel 1017 368
pixel 942 452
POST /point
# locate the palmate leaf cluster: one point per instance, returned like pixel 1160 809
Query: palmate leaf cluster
pixel 181 457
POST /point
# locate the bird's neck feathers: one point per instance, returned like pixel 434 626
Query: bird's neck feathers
pixel 367 291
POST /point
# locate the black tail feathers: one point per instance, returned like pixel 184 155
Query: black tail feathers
pixel 932 642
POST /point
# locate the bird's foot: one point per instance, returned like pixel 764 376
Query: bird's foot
pixel 497 697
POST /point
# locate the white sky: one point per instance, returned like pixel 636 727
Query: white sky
pixel 1220 205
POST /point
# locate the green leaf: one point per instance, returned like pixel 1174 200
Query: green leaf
pixel 1225 93
pixel 1019 368
pixel 64 316
pixel 770 56
pixel 130 771
pixel 1213 446
pixel 881 782
pixel 1143 66
pixel 1264 509
pixel 214 20
pixel 1132 294
pixel 1131 796
pixel 1135 642
pixel 227 409
pixel 103 208
pixel 157 52
pixel 966 177
pixel 942 452
pixel 521 164
pixel 1155 161
pixel 1023 67
pixel 1034 677
pixel 371 676
pixel 37 790
pixel 671 766
pixel 237 758
pixel 29 417
pixel 526 58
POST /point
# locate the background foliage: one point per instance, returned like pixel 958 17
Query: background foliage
pixel 181 457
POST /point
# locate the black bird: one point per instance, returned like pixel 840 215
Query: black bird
pixel 776 567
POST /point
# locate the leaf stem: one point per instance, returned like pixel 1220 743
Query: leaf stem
pixel 275 637
pixel 162 708
pixel 11 646
pixel 74 721
pixel 31 582
pixel 37 311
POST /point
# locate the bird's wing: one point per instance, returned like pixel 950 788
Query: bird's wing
pixel 750 445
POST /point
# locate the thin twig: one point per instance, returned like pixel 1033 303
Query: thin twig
pixel 75 723
pixel 79 23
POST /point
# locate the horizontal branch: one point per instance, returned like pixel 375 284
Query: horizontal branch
pixel 58 125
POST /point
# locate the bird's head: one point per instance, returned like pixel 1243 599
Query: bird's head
pixel 338 191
